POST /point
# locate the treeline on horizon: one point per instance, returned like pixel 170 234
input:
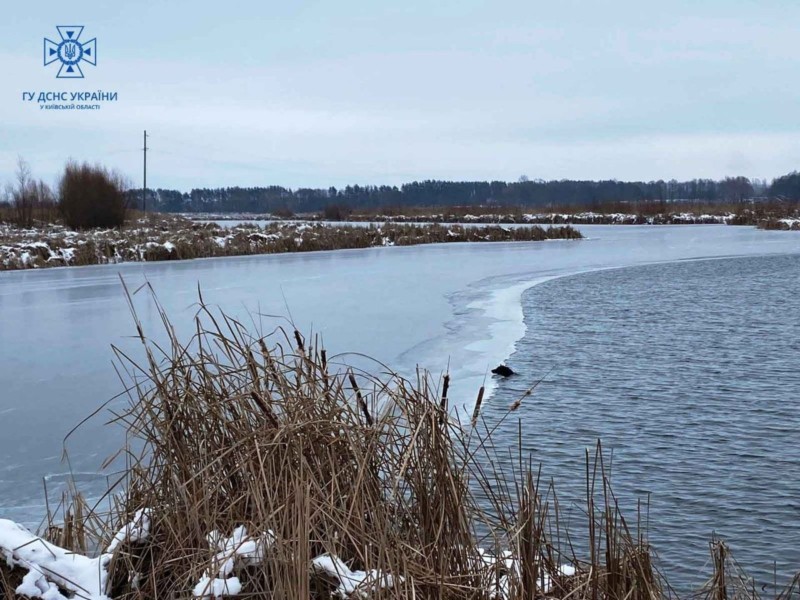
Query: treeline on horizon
pixel 535 194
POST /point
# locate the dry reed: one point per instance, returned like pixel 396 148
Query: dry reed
pixel 318 459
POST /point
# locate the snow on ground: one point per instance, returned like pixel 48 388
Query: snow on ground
pixel 52 570
pixel 136 531
pixel 219 581
pixel 550 218
pixel 57 246
pixel 50 567
pixel 175 240
pixel 53 573
pixel 352 584
pixel 590 218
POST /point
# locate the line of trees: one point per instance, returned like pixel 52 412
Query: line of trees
pixel 524 193
pixel 91 196
pixel 786 187
pixel 87 196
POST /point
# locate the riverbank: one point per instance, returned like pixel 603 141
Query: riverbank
pixel 789 224
pixel 558 218
pixel 506 218
pixel 760 217
pixel 161 238
pixel 268 472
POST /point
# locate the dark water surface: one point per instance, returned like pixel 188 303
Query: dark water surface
pixel 688 372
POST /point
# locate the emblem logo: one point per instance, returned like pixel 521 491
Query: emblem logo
pixel 70 52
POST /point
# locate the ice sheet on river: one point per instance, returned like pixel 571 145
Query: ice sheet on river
pixel 428 305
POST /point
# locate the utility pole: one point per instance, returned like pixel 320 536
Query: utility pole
pixel 144 186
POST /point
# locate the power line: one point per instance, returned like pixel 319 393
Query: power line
pixel 144 183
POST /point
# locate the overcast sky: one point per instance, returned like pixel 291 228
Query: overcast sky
pixel 354 91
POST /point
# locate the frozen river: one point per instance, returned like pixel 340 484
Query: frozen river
pixel 405 306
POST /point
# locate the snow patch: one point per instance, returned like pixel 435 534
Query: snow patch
pixel 355 584
pixel 136 531
pixel 218 581
pixel 50 567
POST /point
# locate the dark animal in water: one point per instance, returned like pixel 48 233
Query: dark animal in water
pixel 503 371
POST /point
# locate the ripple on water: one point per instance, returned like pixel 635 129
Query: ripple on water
pixel 688 373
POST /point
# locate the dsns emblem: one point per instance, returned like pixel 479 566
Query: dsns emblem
pixel 70 52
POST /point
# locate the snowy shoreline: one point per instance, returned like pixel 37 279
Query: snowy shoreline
pixel 170 239
pixel 444 218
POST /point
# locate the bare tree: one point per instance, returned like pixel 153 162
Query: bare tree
pixel 28 198
pixel 23 195
pixel 45 202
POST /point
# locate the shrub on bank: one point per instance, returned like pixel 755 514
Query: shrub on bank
pixel 91 196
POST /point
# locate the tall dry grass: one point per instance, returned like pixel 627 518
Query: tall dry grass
pixel 316 458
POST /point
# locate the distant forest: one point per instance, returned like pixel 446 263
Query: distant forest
pixel 535 194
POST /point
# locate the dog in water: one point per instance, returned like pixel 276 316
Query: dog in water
pixel 503 371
